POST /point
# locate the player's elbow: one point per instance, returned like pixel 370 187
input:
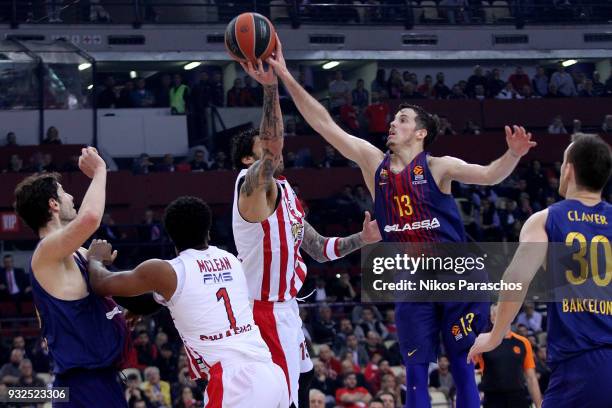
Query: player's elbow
pixel 89 220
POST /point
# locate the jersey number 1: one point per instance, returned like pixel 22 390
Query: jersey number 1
pixel 222 294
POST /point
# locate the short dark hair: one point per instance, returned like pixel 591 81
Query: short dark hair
pixel 242 146
pixel 187 220
pixel 32 197
pixel 592 160
pixel 424 120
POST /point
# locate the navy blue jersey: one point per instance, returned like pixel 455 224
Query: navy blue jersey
pixel 409 206
pixel 86 333
pixel 577 324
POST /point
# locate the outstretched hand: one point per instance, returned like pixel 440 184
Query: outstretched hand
pixel 519 140
pixel 370 233
pixel 90 161
pixel 102 251
pixel 259 73
pixel 277 60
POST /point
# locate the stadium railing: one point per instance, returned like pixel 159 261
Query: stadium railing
pixel 395 12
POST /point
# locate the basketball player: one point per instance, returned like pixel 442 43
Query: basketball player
pixel 579 329
pixel 411 191
pixel 269 228
pixel 86 333
pixel 205 290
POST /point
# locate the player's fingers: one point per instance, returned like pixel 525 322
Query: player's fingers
pixel 470 356
pixel 508 131
pixel 114 255
pixel 244 66
pixel 272 62
pixel 279 45
pixel 260 66
pixel 368 217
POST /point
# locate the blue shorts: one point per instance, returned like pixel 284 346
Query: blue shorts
pixel 583 381
pixel 419 326
pixel 91 388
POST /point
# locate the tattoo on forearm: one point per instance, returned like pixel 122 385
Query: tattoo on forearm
pixel 314 244
pixel 271 127
pixel 349 244
pixel 261 172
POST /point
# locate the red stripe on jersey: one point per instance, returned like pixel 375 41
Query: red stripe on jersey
pixel 284 253
pixel 263 315
pixel 194 368
pixel 299 218
pixel 420 234
pixel 420 190
pixel 300 272
pixel 214 390
pixel 267 249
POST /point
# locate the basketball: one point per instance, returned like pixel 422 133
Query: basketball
pixel 249 37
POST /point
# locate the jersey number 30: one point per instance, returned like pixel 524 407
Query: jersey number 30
pixel 591 260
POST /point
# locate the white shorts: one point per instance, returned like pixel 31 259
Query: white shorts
pixel 246 385
pixel 281 328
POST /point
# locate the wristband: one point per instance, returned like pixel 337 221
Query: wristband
pixel 331 251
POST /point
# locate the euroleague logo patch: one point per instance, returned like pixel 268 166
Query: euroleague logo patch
pixel 418 175
pixel 384 177
pixel 456 332
pixel 244 29
pixel 516 350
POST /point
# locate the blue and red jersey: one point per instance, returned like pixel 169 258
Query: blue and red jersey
pixel 409 206
pixel 88 333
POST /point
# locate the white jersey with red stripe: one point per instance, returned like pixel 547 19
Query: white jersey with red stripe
pixel 270 250
pixel 211 311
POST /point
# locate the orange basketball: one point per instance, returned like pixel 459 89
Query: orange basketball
pixel 250 37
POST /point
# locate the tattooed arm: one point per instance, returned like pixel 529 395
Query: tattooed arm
pixel 258 192
pixel 323 249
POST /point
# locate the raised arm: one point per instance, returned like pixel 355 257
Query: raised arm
pixel 324 249
pixel 258 191
pixel 65 241
pixel 353 148
pixel 519 143
pixel 529 257
pixel 153 275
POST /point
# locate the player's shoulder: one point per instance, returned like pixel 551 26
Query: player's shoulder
pixel 443 160
pixel 214 250
pixel 534 229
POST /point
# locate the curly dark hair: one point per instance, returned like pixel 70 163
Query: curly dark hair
pixel 424 120
pixel 592 160
pixel 32 197
pixel 242 146
pixel 188 220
